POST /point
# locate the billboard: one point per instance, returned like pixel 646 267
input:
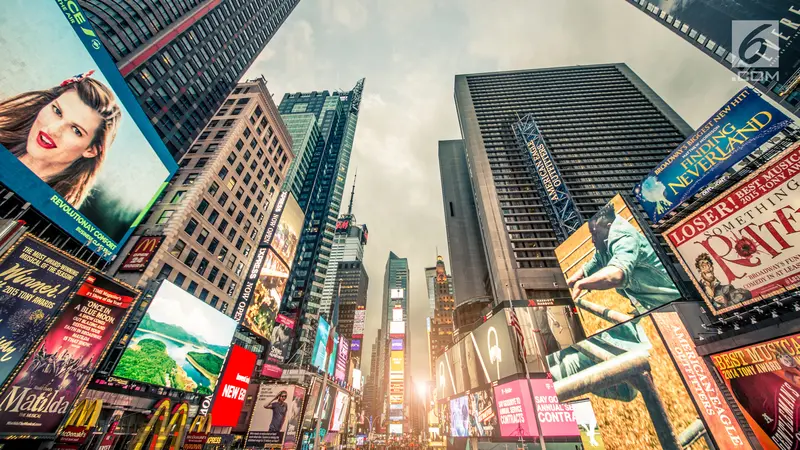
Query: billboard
pixel 482 419
pixel 181 343
pixel 587 424
pixel 765 382
pixel 275 404
pixel 397 294
pixel 396 362
pixel 515 410
pixel 459 416
pixel 355 345
pixel 41 393
pixel 637 395
pixel 294 421
pixel 397 328
pixel 342 358
pixel 280 341
pixel 339 411
pixel 612 269
pixel 397 344
pixel 267 294
pixel 320 341
pixel 141 253
pixel 233 387
pixel 555 417
pixel 397 314
pixel 36 280
pixel 359 321
pixel 743 246
pixel 74 141
pixel 732 133
pixel 287 235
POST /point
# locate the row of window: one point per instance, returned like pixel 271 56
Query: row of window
pixel 180 279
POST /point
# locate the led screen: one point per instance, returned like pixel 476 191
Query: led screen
pixel 233 387
pixel 260 315
pixel 277 408
pixel 287 235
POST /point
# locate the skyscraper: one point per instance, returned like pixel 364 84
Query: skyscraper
pixel 602 127
pixel 305 136
pixel 441 323
pixel 395 320
pixel 320 198
pixel 352 284
pixel 182 59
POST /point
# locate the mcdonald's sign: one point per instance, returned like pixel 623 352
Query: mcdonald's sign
pixel 164 428
pixel 141 253
pixel 79 424
pixel 198 433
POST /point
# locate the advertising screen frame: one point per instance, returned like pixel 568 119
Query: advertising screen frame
pixel 228 403
pixel 270 285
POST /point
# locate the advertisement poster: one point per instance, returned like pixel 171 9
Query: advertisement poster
pixel 610 250
pixel 342 357
pixel 482 419
pixel 40 395
pixel 287 235
pixel 459 417
pixel 280 341
pixel 181 343
pixel 35 281
pixel 733 132
pixel 268 422
pixel 587 424
pixel 555 417
pixel 744 245
pixel 260 315
pixel 95 177
pixel 295 416
pixel 339 411
pixel 765 382
pixel 233 387
pixel 515 410
pixel 626 372
pixel 141 254
pixel 320 341
pixel 724 428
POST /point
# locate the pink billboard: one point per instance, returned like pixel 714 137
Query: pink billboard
pixel 515 410
pixel 556 419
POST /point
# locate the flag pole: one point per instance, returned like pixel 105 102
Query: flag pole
pixel 523 353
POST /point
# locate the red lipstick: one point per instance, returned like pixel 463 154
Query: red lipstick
pixel 45 141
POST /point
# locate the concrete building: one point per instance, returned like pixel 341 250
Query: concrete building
pixel 182 59
pixel 396 360
pixel 210 218
pixel 352 284
pixel 441 324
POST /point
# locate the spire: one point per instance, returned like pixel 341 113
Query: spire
pixel 352 194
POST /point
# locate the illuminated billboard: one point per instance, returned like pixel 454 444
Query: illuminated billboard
pixel 482 418
pixel 276 414
pixel 742 247
pixel 287 234
pixel 397 314
pixel 397 328
pixel 396 362
pixel 624 256
pixel 342 358
pixel 397 294
pixel 267 294
pixel 181 343
pixel 74 141
pixel 359 322
pixel 339 411
pixel 320 341
pixel 397 344
pixel 459 417
pixel 233 387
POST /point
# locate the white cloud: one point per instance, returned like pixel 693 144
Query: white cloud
pixel 350 13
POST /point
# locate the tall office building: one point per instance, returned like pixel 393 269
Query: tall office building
pixel 203 231
pixel 441 323
pixel 320 198
pixel 182 59
pixel 468 264
pixel 394 318
pixel 352 284
pixel 305 135
pixel 709 26
pixel 602 127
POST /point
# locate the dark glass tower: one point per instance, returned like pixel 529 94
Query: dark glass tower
pixel 182 58
pixel 604 128
pixel 320 197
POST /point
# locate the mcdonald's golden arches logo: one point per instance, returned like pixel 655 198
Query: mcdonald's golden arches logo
pixel 141 253
pixel 164 428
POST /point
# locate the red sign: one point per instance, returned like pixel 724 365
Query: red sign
pixel 195 440
pixel 233 389
pixel 272 371
pixel 343 225
pixel 142 252
pixel 71 437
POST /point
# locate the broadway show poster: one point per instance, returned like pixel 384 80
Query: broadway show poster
pixel 718 416
pixel 744 246
pixel 280 342
pixel 35 280
pixel 54 375
pixel 612 270
pixel 260 315
pixel 765 381
pixel 733 132
pixel 627 373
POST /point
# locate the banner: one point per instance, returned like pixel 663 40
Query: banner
pixel 765 381
pixel 744 246
pixel 555 418
pixel 233 387
pixel 275 404
pixel 715 410
pixel 35 281
pixel 342 358
pixel 141 254
pixel 732 133
pixel 515 410
pixel 53 377
pixel 293 425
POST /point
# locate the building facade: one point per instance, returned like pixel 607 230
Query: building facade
pixel 182 59
pixel 211 216
pixel 349 240
pixel 353 280
pixel 396 346
pixel 305 136
pixel 441 323
pixel 320 198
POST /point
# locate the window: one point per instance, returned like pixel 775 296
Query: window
pixel 213 188
pixel 247 133
pixel 231 290
pixel 166 269
pixel 201 162
pixel 239 193
pixel 228 123
pixel 201 268
pixel 190 178
pixel 212 275
pixel 231 183
pixel 178 197
pixel 223 280
pixel 243 101
pixel 164 217
pixel 239 146
pixel 239 243
pixel 222 226
pixel 246 250
pixel 179 279
pixel 231 234
pixel 212 148
pixel 240 218
pixel 201 238
pixel 239 268
pixel 223 172
pixel 236 111
pixel 212 247
pixel 190 227
pixel 231 209
pixel 224 308
pixel 192 287
pixel 222 199
pixel 247 179
pixel 222 252
pixel 191 257
pixel 239 169
pixel 212 218
pixel 214 301
pixel 247 155
pixel 202 206
pixel 220 134
pixel 203 294
pixel 177 249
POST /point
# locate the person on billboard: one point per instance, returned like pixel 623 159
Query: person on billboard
pixel 62 134
pixel 625 261
pixel 278 406
pixel 721 295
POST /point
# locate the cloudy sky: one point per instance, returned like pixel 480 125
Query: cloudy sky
pixel 409 52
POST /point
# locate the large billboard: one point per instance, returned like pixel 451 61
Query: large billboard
pixel 744 245
pixel 765 382
pixel 613 271
pixel 267 294
pixel 74 141
pixel 141 254
pixel 555 417
pixel 277 405
pixel 38 398
pixel 482 418
pixel 637 395
pixel 181 343
pixel 516 412
pixel 35 281
pixel 233 387
pixel 339 411
pixel 320 341
pixel 733 132
pixel 342 358
pixel 287 235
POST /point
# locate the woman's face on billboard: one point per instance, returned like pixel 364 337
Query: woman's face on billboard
pixel 62 132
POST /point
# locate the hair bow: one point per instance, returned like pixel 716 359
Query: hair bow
pixel 76 78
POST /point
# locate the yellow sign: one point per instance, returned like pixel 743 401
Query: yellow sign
pixel 165 427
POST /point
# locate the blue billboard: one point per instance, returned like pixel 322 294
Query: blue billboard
pixel 318 357
pixel 74 141
pixel 741 126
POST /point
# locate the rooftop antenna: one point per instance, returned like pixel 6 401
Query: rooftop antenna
pixel 352 194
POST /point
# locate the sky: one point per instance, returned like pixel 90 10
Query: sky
pixel 409 51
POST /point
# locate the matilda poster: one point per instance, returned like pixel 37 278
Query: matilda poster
pixel 52 378
pixel 765 381
pixel 35 280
